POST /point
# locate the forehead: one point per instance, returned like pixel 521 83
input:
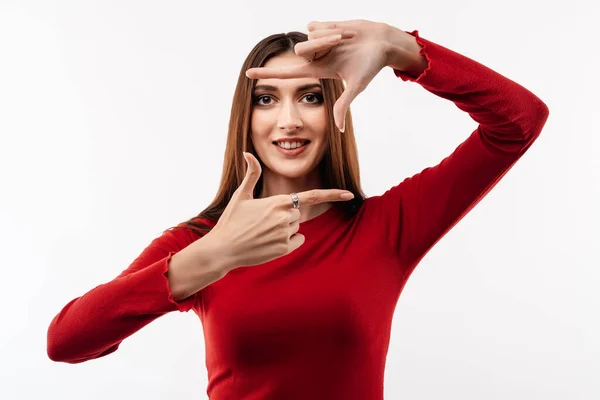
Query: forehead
pixel 285 60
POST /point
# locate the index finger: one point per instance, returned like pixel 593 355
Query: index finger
pixel 317 196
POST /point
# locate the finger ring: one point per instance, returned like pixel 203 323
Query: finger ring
pixel 295 200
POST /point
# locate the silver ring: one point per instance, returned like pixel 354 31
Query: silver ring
pixel 295 200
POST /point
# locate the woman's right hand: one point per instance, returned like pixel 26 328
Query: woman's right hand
pixel 254 231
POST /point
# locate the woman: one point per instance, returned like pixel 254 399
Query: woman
pixel 293 272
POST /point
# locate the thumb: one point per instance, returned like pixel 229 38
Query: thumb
pixel 342 104
pixel 246 188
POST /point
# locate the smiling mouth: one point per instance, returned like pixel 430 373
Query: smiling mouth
pixel 292 152
pixel 304 143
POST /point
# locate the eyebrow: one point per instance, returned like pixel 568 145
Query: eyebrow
pixel 302 88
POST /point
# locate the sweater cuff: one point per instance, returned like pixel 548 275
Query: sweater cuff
pixel 151 290
pixel 183 305
pixel 423 52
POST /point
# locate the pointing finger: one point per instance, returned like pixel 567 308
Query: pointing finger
pixel 317 196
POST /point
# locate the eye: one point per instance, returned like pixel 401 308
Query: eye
pixel 318 99
pixel 266 100
pixel 257 100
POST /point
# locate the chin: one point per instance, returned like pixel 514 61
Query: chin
pixel 289 171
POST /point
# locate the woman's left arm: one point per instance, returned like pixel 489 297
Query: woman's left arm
pixel 419 211
pixel 423 208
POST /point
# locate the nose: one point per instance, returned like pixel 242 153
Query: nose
pixel 289 118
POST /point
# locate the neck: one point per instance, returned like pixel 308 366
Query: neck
pixel 274 184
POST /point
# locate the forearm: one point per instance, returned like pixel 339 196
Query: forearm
pixel 426 206
pixel 163 278
pixel 509 114
pixel 196 266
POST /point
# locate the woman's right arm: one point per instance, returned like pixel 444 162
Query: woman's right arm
pixel 165 277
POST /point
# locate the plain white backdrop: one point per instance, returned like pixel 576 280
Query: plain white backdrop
pixel 113 118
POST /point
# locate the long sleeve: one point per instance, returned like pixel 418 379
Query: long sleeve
pixel 419 211
pixel 95 324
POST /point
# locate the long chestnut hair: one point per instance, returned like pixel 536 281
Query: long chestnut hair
pixel 339 167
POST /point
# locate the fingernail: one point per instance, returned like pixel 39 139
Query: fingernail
pixel 335 38
pixel 347 196
pixel 343 127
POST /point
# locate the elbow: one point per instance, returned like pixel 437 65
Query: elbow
pixel 57 340
pixel 65 338
pixel 534 121
pixel 542 112
pixel 63 348
pixel 57 353
pixel 539 116
pixel 68 354
pixel 57 346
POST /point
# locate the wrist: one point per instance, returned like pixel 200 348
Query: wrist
pixel 220 257
pixel 403 52
pixel 193 268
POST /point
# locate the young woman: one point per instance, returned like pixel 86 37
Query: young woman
pixel 293 272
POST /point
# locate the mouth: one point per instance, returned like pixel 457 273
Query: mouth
pixel 292 151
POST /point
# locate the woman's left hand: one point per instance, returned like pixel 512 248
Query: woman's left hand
pixel 358 50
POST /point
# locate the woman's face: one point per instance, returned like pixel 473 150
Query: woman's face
pixel 289 110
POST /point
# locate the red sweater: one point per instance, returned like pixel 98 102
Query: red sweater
pixel 315 324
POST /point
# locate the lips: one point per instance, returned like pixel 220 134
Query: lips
pixel 292 152
pixel 301 140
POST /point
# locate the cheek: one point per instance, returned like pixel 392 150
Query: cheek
pixel 320 124
pixel 320 121
pixel 261 125
pixel 258 132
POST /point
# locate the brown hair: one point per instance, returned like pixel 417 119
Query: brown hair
pixel 339 167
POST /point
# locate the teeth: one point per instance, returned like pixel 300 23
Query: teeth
pixel 288 145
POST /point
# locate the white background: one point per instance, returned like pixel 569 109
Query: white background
pixel 113 118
